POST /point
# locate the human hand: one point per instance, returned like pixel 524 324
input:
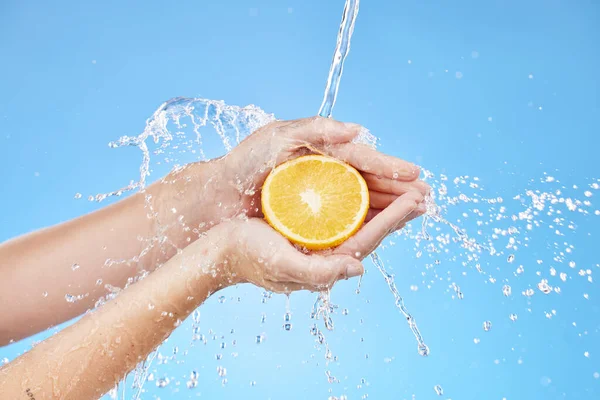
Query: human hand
pixel 246 167
pixel 198 196
pixel 254 252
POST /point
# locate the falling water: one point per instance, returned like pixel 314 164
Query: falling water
pixel 339 56
pixel 331 91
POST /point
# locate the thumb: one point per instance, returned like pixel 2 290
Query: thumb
pixel 346 266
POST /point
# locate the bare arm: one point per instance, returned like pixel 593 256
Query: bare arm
pixel 109 246
pixel 88 358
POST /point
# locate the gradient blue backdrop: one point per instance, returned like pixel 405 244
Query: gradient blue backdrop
pixel 443 83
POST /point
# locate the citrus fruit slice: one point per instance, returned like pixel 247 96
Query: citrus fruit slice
pixel 315 201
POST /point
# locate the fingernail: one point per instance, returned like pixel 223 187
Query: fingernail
pixel 353 270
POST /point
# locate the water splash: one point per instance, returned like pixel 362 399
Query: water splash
pixel 466 225
pixel 492 228
pixel 165 133
pixel 181 131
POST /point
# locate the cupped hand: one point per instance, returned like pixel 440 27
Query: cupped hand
pixel 246 167
pixel 254 252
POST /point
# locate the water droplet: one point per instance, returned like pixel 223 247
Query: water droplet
pixel 70 298
pixel 218 356
pixel 45 294
pixel 150 306
pixel 5 361
pixel 259 339
pixel 544 287
pixel 506 289
pixel 330 377
pixel 75 267
pixel 423 349
pixel 510 258
pixel 528 293
pixel 487 325
pixel 395 175
pixel 77 196
pixel 320 337
pixel 98 282
pixel 476 340
pixel 438 390
pixel 513 317
pixel 263 318
pixel 221 371
pixel 357 254
pixel 345 311
pixel 194 375
pixel 520 270
pixel 287 317
pixel 162 382
pixel 192 384
pixel 252 383
pixel 223 345
pixel 221 299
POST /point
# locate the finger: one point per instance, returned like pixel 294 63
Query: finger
pixel 381 200
pixel 372 213
pixel 364 158
pixel 317 271
pixel 371 234
pixel 420 210
pixel 321 131
pixel 393 186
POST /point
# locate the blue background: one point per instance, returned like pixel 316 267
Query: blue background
pixel 503 90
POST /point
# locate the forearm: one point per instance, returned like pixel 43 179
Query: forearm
pixel 88 358
pixel 66 268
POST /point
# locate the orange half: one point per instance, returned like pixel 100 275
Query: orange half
pixel 315 201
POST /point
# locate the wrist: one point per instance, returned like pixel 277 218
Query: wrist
pixel 189 198
pixel 219 241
